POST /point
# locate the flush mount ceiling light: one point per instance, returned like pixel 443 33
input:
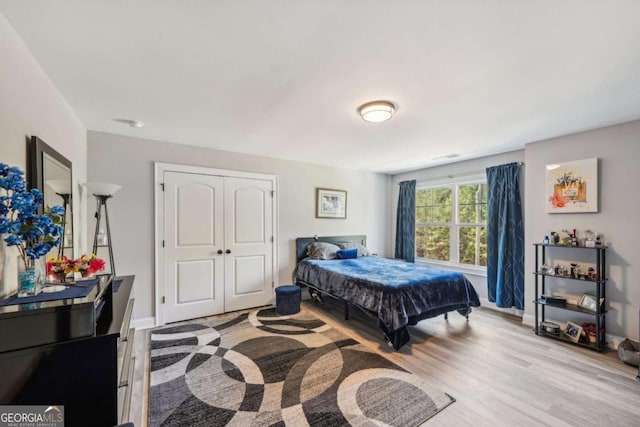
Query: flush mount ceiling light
pixel 132 123
pixel 377 111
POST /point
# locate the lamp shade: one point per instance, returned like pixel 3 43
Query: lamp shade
pixel 376 111
pixel 102 188
pixel 59 186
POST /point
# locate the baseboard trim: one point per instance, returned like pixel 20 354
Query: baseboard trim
pixel 529 320
pixel 614 341
pixel 484 302
pixel 144 323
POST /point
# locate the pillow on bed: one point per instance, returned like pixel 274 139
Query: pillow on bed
pixel 362 251
pixel 322 250
pixel 347 253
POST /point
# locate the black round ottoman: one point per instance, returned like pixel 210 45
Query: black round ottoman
pixel 287 299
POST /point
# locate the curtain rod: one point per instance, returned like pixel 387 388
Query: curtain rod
pixel 462 174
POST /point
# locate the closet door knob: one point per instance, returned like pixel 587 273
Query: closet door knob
pixel 228 251
pixel 219 251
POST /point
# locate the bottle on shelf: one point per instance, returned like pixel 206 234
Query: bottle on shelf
pixel 546 240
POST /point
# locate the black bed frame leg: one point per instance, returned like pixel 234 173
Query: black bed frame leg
pixel 446 316
pixel 346 311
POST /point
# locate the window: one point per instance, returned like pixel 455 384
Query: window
pixel 451 223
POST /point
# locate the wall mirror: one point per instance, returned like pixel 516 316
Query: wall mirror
pixel 51 172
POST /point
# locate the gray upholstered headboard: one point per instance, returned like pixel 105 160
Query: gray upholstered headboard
pixel 303 242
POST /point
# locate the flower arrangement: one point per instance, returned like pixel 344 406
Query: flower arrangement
pixel 86 265
pixel 33 234
pixel 59 268
pixel 89 265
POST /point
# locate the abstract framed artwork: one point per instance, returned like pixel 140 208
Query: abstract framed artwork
pixel 331 203
pixel 572 186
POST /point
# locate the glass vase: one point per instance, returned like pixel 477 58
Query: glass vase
pixel 30 276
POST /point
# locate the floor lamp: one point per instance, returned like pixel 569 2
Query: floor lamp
pixel 62 189
pixel 103 191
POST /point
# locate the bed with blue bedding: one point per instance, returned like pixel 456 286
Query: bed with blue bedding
pixel 396 292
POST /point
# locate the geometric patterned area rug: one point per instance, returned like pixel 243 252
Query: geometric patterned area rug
pixel 257 368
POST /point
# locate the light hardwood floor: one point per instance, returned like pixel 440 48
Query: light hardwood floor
pixel 499 371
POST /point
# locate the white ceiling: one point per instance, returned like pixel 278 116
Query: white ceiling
pixel 283 78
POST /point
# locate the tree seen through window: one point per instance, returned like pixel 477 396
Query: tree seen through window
pixel 451 223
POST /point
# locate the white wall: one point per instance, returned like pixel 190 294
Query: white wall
pixel 440 174
pixel 31 105
pixel 129 162
pixel 618 151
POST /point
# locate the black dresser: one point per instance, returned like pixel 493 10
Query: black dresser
pixel 73 352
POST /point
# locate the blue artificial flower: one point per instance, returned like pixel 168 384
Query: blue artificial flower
pixel 35 234
pixel 12 178
pixel 12 240
pixel 58 210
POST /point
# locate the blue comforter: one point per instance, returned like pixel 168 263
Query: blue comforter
pixel 397 292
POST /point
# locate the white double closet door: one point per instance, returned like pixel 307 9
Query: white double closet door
pixel 218 244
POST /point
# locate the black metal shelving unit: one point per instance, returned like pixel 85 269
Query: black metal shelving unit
pixel 599 283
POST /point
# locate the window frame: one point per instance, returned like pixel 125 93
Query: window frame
pixel 455 224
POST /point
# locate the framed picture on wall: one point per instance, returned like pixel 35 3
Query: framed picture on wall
pixel 331 203
pixel 572 186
